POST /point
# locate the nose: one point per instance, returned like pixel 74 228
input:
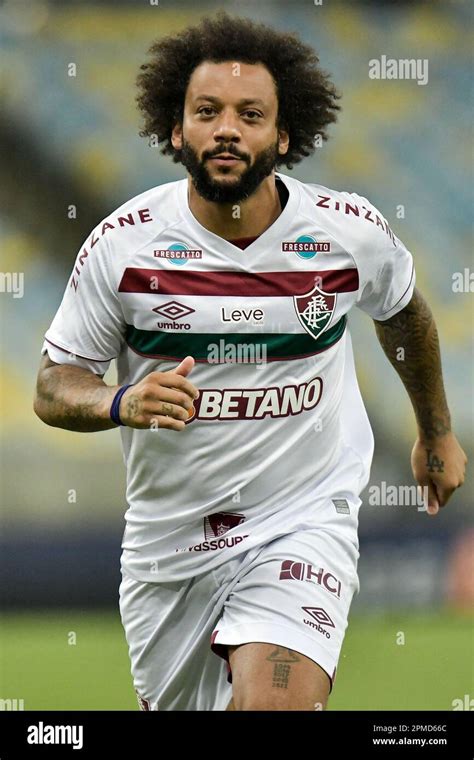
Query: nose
pixel 226 128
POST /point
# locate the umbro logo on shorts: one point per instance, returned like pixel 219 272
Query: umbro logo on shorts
pixel 322 619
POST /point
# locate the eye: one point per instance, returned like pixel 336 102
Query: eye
pixel 252 114
pixel 206 108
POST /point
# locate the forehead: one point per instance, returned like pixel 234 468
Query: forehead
pixel 232 81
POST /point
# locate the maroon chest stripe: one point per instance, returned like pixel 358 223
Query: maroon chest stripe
pixel 191 283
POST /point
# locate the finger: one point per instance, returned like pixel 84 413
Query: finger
pixel 185 367
pixel 171 380
pixel 432 506
pixel 444 494
pixel 170 423
pixel 171 396
pixel 166 410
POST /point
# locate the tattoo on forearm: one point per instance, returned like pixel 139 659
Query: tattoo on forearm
pixel 73 397
pixel 282 660
pixel 414 330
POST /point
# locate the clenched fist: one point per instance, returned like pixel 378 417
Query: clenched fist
pixel 161 399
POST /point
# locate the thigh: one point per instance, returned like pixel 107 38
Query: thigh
pixel 284 621
pixel 269 677
pixel 168 628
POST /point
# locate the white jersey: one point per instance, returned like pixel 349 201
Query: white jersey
pixel 279 425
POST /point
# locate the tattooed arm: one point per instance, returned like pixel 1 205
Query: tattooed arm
pixel 410 341
pixel 72 398
pixel 76 399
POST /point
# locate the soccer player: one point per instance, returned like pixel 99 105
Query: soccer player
pixel 224 298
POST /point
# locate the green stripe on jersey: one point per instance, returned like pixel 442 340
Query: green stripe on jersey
pixel 177 345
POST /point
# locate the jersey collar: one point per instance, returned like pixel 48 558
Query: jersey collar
pixel 277 230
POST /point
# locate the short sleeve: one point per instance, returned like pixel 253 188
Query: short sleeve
pixel 88 328
pixel 385 266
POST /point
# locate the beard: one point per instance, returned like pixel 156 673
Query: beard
pixel 238 189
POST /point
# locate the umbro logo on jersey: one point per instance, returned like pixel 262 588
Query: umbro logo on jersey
pixel 322 619
pixel 173 310
pixel 178 253
pixel 315 310
pixel 306 246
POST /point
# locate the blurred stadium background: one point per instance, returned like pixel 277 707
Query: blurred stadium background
pixel 73 141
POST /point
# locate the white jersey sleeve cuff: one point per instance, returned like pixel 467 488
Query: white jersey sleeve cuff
pixel 61 355
pixel 401 303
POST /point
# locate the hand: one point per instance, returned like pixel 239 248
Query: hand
pixel 438 464
pixel 161 399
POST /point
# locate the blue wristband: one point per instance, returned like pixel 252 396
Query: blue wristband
pixel 114 409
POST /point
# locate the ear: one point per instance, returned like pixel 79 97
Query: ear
pixel 177 136
pixel 283 142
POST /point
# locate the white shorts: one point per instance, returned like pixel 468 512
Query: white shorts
pixel 294 592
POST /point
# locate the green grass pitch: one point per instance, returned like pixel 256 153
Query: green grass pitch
pixel 433 667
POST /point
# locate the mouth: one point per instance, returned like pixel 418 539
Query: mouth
pixel 225 159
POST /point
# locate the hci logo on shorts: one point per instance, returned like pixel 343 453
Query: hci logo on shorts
pixel 300 571
pixel 315 310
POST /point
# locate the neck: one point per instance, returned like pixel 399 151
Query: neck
pixel 255 214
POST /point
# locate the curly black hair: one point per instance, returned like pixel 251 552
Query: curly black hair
pixel 307 99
